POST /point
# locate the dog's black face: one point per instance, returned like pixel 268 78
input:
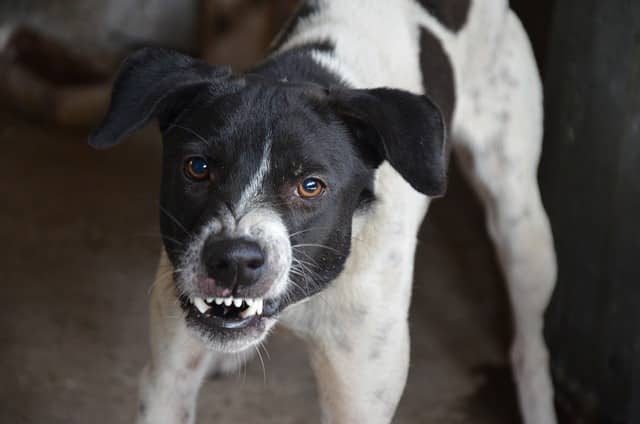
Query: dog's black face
pixel 259 190
pixel 261 180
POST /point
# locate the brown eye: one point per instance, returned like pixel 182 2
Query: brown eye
pixel 197 168
pixel 311 188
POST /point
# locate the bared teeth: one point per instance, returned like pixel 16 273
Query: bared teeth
pixel 254 308
pixel 251 306
pixel 201 305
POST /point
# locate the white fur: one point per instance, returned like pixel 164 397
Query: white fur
pixel 255 187
pixel 264 226
pixel 361 358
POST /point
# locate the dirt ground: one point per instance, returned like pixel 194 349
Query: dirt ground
pixel 79 246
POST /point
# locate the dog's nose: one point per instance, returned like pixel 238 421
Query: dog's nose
pixel 233 263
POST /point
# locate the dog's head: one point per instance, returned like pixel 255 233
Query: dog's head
pixel 261 180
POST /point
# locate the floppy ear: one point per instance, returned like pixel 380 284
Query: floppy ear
pixel 152 82
pixel 403 128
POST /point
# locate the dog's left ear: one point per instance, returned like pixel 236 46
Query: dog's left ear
pixel 405 129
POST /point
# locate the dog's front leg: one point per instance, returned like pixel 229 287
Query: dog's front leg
pixel 363 382
pixel 360 355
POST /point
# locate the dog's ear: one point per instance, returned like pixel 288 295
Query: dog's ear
pixel 153 83
pixel 403 128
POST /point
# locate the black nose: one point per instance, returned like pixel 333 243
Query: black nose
pixel 233 263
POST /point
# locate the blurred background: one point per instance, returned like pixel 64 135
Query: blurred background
pixel 80 228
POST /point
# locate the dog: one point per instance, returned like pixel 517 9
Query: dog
pixel 293 193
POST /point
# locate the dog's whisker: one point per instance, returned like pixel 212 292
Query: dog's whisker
pixel 321 246
pixel 310 282
pixel 305 267
pixel 307 230
pixel 313 263
pixel 159 278
pixel 175 220
pixel 264 370
pixel 173 240
pixel 266 351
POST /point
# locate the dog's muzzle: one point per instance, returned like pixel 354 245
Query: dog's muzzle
pixel 232 281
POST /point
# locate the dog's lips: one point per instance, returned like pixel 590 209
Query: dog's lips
pixel 228 313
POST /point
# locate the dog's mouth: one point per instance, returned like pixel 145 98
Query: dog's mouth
pixel 230 313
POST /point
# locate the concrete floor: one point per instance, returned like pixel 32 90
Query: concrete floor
pixel 79 247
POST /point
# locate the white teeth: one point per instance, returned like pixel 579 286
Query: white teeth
pixel 251 310
pixel 253 306
pixel 201 305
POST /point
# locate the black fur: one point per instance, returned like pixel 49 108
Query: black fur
pixel 437 74
pixel 451 13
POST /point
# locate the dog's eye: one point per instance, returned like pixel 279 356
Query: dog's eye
pixel 311 188
pixel 197 168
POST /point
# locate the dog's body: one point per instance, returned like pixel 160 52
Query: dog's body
pixel 474 59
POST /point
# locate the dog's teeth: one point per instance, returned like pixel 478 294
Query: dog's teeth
pixel 237 302
pixel 259 303
pixel 228 301
pixel 249 301
pixel 201 305
pixel 251 310
pixel 219 301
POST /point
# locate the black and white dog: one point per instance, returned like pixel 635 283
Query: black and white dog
pixel 294 193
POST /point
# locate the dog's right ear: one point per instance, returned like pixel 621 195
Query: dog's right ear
pixel 153 82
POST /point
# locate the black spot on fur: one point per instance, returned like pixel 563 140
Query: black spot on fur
pixel 451 13
pixel 437 74
pixel 185 415
pixel 504 117
pixel 379 342
pixel 340 337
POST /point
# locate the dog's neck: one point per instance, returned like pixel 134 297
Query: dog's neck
pixel 307 63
